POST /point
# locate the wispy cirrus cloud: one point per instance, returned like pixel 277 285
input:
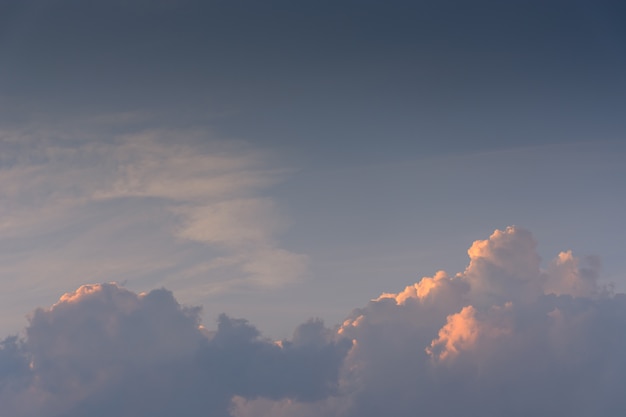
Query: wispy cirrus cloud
pixel 161 205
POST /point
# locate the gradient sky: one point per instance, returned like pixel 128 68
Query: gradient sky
pixel 282 160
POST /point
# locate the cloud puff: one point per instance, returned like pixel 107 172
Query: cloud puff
pixel 103 350
pixel 503 337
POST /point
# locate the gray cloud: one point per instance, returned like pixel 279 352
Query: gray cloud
pixel 503 337
pixel 104 350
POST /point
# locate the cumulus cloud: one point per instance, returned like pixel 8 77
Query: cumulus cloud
pixel 104 350
pixel 503 337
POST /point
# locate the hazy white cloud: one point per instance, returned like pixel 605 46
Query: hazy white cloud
pixel 234 223
pixel 185 165
pixel 160 206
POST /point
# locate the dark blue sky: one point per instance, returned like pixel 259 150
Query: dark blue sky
pixel 349 79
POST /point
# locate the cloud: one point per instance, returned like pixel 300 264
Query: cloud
pixel 104 350
pixel 247 228
pixel 238 222
pixel 566 276
pixel 460 332
pixel 503 337
pixel 505 265
pixel 160 207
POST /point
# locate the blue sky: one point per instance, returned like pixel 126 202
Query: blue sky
pixel 370 143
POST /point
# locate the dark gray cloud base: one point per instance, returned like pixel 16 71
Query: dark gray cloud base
pixel 104 350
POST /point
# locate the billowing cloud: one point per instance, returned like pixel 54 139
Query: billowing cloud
pixel 103 350
pixel 503 337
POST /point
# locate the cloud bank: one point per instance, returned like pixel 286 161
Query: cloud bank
pixel 504 337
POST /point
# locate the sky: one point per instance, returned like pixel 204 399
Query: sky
pixel 265 196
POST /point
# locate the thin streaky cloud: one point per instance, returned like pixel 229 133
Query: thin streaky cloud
pixel 147 206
